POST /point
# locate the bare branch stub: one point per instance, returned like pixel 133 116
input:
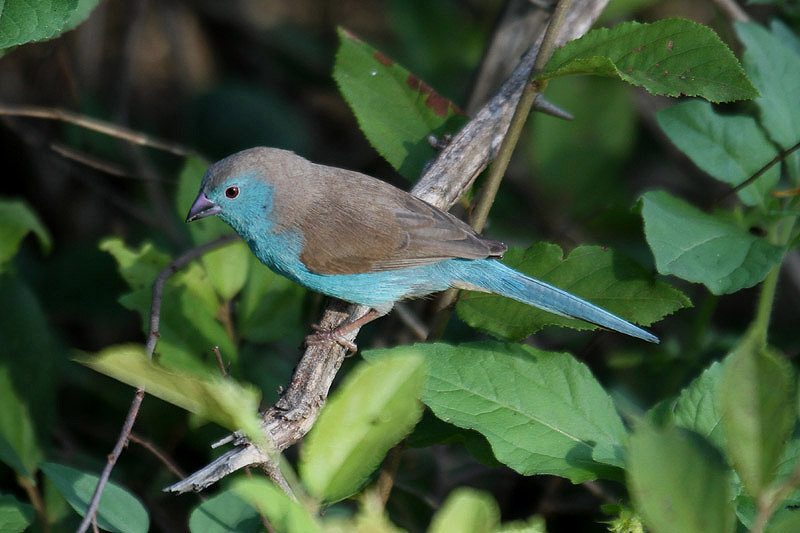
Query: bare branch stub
pixel 445 180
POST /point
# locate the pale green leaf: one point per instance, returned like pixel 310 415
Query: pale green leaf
pixel 230 404
pixel 284 514
pixel 678 482
pixel 467 511
pixel 758 392
pixel 373 409
pixel 22 21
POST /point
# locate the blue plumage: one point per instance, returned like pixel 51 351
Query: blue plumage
pixel 356 238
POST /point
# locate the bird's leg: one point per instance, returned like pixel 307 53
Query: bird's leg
pixel 324 336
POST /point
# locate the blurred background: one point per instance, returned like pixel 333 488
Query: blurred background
pixel 218 76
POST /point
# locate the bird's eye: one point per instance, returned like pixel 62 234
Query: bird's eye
pixel 232 192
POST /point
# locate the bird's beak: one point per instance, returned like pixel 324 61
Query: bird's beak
pixel 202 207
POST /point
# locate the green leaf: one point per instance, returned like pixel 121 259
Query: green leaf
pixel 699 406
pixel 542 412
pixel 189 326
pixel 467 511
pixel 15 517
pixel 396 110
pixel 284 514
pixel 704 248
pixel 230 404
pixel 16 221
pixel 22 21
pixel 223 513
pixel 673 57
pixel 82 11
pixel 119 510
pixel 374 408
pixel 730 148
pixel 29 372
pixel 270 307
pixel 603 277
pixel 775 71
pixel 758 392
pixel 679 482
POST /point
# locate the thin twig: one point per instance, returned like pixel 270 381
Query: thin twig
pixel 122 441
pixel 101 126
pixel 220 362
pixel 732 10
pixel 760 172
pixel 152 337
pixel 161 456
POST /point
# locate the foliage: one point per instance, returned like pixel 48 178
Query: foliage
pixel 696 434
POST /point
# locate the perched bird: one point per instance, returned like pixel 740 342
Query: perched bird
pixel 364 241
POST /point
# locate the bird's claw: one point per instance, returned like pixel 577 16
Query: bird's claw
pixel 323 335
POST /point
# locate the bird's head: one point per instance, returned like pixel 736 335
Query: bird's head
pixel 238 188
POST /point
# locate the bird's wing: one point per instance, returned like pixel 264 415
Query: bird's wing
pixel 380 228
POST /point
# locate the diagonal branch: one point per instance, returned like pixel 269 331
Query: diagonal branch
pixel 445 180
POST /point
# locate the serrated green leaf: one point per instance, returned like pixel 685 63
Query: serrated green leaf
pixel 231 404
pixel 15 517
pixel 704 248
pixel 119 510
pixel 730 148
pixel 679 482
pixel 284 514
pixel 374 408
pixel 673 57
pixel 775 71
pixel 225 512
pixel 699 406
pixel 16 221
pixel 467 511
pixel 758 392
pixel 542 412
pixel 601 276
pixel 23 21
pixel 396 110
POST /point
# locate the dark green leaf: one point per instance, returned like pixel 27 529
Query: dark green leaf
pixel 673 57
pixel 376 407
pixel 223 513
pixel 758 393
pixel 679 482
pixel 542 412
pixel 22 21
pixel 699 406
pixel 704 248
pixel 119 510
pixel 396 110
pixel 601 276
pixel 15 517
pixel 730 148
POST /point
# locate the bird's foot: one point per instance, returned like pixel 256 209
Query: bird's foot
pixel 326 336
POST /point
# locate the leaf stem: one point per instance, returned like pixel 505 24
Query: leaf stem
pixel 780 234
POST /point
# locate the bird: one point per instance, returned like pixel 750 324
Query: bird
pixel 359 239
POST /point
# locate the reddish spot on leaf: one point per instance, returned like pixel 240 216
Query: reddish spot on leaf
pixel 658 64
pixel 383 59
pixel 630 69
pixel 669 45
pixel 438 103
pixel 638 49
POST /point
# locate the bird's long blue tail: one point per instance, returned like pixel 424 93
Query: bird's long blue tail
pixel 497 278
